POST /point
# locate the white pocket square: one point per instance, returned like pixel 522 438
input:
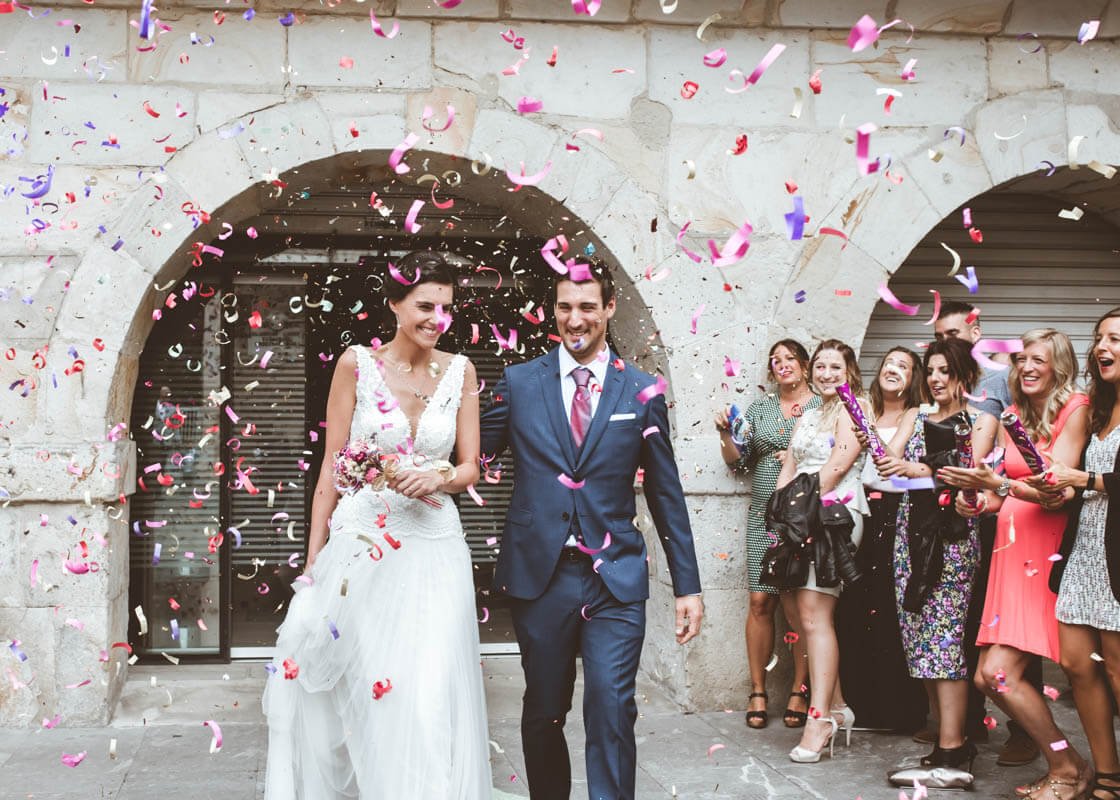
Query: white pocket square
pixel 617 417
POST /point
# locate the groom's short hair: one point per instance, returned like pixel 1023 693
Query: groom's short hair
pixel 599 273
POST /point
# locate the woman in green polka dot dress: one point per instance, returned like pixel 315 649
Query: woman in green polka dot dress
pixel 757 447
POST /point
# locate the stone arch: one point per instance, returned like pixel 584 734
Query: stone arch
pixel 1005 139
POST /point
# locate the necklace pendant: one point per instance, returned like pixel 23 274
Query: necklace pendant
pixel 434 369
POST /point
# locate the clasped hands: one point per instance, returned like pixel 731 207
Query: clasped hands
pixel 416 483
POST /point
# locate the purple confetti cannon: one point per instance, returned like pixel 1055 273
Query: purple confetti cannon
pixel 963 434
pixel 1023 443
pixel 855 411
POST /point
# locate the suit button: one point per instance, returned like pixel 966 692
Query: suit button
pixel 565 516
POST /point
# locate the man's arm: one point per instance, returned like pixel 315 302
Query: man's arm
pixel 494 427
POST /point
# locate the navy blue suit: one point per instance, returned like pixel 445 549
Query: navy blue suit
pixel 563 607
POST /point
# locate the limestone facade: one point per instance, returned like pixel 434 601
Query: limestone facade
pixel 129 139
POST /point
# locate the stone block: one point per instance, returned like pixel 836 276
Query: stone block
pixel 32 293
pixel 1047 19
pixel 950 82
pixel 403 62
pixel 840 15
pixel 625 225
pixel 81 639
pixel 474 9
pixel 715 662
pixel 675 57
pixel 455 140
pixel 1102 135
pixel 67 470
pixel 958 175
pixel 36 47
pixel 212 170
pixel 1091 67
pixel 740 13
pixel 1012 68
pixel 33 694
pixel 1044 139
pixel 12 579
pixel 586 182
pixel 244 54
pixel 285 137
pixel 839 284
pixel 728 189
pixel 49 537
pixel 983 18
pixel 117 114
pixel 106 281
pixel 220 109
pixel 581 85
pixel 562 12
pixel 510 140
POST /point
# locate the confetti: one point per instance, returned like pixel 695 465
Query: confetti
pixel 216 730
pixel 73 760
pixel 657 388
pixel 863 146
pixel 569 482
pixel 714 748
pixel 377 29
pixel 994 346
pixel 894 302
pixel 1088 31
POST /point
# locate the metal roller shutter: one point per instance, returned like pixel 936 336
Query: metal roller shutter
pixel 1035 269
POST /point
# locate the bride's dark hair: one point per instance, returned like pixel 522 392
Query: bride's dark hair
pixel 419 266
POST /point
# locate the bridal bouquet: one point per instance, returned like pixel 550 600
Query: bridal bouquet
pixel 360 463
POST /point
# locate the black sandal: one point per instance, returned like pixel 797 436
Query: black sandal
pixel 1112 789
pixel 796 719
pixel 758 719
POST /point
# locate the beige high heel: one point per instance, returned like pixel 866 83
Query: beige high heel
pixel 849 720
pixel 803 755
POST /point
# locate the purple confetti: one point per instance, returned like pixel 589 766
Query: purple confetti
pixel 800 296
pixel 795 220
pixel 14 647
pixel 288 20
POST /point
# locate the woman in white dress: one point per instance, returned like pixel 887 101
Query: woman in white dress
pixel 823 442
pixel 376 690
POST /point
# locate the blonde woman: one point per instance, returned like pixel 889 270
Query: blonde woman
pixel 1019 617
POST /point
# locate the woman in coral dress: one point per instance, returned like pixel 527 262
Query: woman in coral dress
pixel 1019 616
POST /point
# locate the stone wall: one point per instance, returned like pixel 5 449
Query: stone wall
pixel 130 139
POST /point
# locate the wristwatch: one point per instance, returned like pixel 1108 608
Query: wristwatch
pixel 1004 487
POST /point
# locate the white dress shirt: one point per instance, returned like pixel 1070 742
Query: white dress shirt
pixel 598 367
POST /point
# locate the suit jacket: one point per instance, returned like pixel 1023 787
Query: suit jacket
pixel 527 416
pixel 1111 482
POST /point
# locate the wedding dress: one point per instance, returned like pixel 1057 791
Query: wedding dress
pixel 388 702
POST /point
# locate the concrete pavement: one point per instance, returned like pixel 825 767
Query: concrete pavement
pixel 163 749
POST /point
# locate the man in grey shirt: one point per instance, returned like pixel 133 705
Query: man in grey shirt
pixel 961 321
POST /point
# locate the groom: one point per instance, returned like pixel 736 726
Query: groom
pixel 579 422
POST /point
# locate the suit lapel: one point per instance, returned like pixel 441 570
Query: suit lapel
pixel 553 403
pixel 608 401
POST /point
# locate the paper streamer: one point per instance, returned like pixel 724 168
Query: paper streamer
pixel 863 148
pixel 569 482
pixel 995 346
pixel 895 303
pixel 650 392
pixel 585 549
pixel 795 220
pixel 399 151
pixel 410 223
pixel 863 34
pixel 936 308
pixel 765 63
pixel 956 258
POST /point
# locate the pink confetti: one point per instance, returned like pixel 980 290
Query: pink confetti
pixel 478 501
pixel 936 307
pixel 731 367
pixel 894 302
pixel 714 748
pixel 399 151
pixel 696 317
pixel 650 431
pixel 530 180
pixel 443 319
pixel 595 132
pixel 410 223
pixel 528 105
pixel 591 552
pixel 587 7
pixel 680 235
pixel 1050 692
pixel 571 484
pixel 765 63
pixel 650 392
pixel 550 257
pixel 734 248
pixel 379 30
pixel 216 729
pixel 73 760
pixel 995 346
pixel 716 58
pixel 863 148
pixel 33 577
pixel 908 71
pixel 863 34
pixel 428 114
pixel 835 232
pixel 1059 745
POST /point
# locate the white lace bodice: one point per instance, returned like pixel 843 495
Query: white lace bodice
pixel 379 419
pixel 811 445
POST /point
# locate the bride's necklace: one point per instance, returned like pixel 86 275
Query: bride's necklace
pixel 405 368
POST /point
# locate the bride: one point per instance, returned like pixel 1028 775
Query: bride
pixel 376 690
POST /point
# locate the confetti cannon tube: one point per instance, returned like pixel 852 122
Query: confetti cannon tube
pixel 963 434
pixel 1023 443
pixel 855 411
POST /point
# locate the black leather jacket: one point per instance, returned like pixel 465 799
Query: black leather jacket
pixel 809 532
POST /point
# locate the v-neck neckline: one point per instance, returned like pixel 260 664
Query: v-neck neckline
pixel 413 425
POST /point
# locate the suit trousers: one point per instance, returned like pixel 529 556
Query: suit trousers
pixel 576 614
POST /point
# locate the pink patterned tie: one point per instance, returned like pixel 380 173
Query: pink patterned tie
pixel 581 405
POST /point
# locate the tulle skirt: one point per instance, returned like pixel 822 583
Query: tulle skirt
pixel 388 702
